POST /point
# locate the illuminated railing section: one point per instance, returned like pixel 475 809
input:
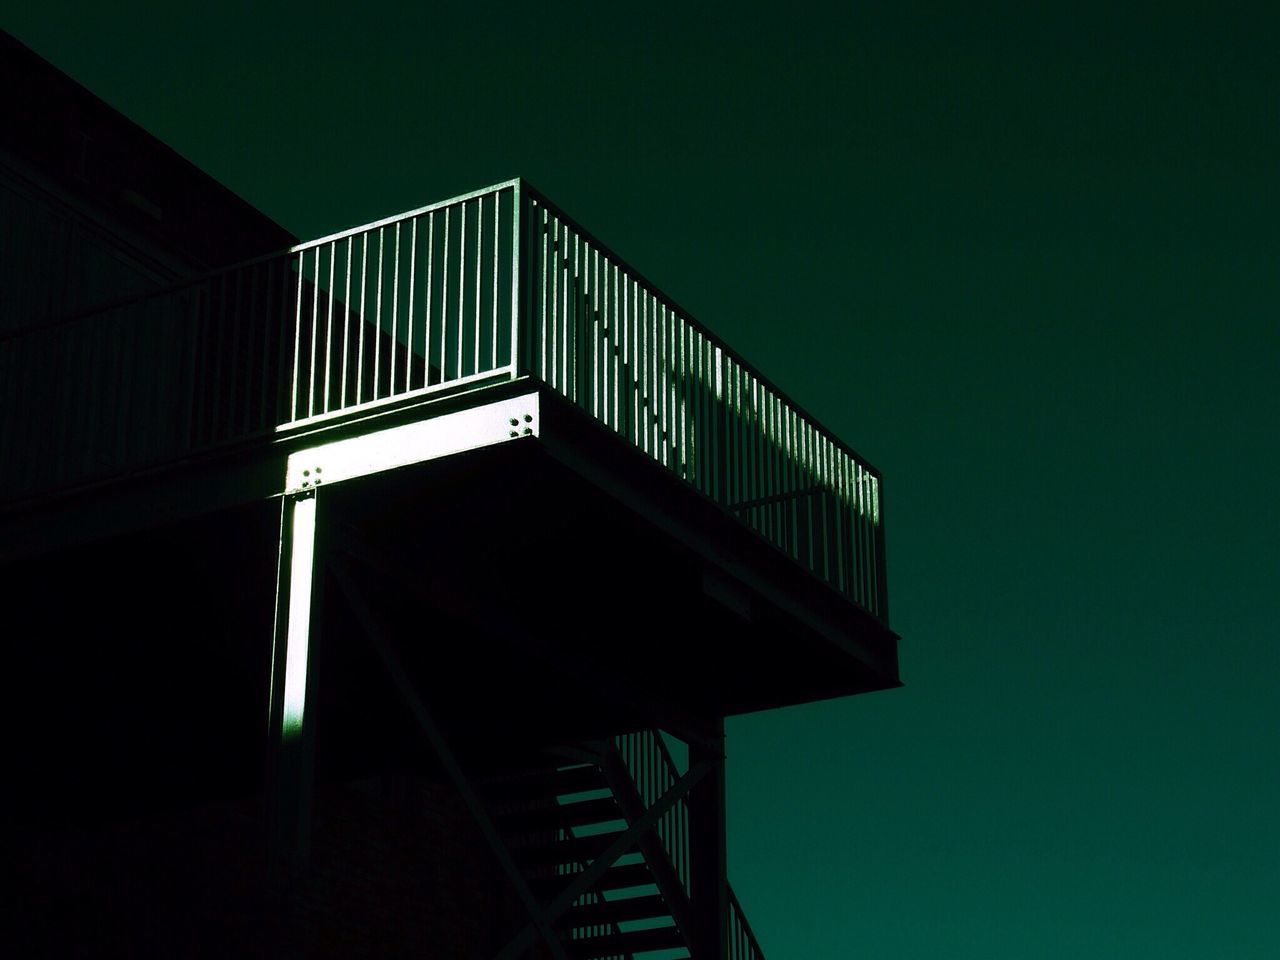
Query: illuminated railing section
pixel 409 305
pixel 492 285
pixel 404 306
pixel 598 333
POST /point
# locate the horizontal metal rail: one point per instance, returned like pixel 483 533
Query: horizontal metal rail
pixel 604 337
pixel 495 283
pixel 408 305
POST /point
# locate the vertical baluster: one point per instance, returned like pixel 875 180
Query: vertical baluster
pixel 637 364
pixel 479 260
pixel 264 399
pixel 462 280
pixel 231 293
pixel 216 354
pixel 662 427
pixel 842 508
pixel 393 340
pixel 572 318
pixel 250 308
pixel 327 352
pixel 544 291
pixel 646 364
pixel 592 324
pixel 704 424
pixel 556 267
pixel 426 319
pixel 780 469
pixel 315 328
pixel 864 551
pixel 741 438
pixel 493 296
pixel 809 484
pixel 377 316
pixel 856 567
pixel 344 372
pixel 444 301
pixel 409 305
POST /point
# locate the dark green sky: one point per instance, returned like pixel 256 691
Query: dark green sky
pixel 1027 262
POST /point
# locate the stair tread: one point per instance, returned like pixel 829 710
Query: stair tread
pixel 550 815
pixel 571 850
pixel 616 911
pixel 618 877
pixel 630 941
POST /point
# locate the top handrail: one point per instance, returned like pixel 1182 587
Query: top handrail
pixel 132 298
pixel 684 314
pixel 407 215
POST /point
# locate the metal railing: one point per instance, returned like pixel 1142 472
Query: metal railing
pixel 654 770
pixel 404 306
pixel 743 944
pixel 495 284
pixel 408 305
pixel 653 773
pixel 601 335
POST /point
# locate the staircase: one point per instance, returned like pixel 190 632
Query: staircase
pixel 559 811
pixel 556 816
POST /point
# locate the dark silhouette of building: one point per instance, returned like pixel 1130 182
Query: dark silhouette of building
pixel 384 594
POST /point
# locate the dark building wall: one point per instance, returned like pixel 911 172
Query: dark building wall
pixel 94 210
pixel 53 262
pixel 397 869
pixel 92 207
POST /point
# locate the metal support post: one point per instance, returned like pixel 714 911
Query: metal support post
pixel 708 873
pixel 291 725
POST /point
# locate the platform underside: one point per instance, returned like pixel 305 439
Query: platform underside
pixel 547 589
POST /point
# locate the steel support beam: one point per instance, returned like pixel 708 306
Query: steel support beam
pixel 708 869
pixel 408 692
pixel 291 725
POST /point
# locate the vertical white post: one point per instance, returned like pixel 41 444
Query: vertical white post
pixel 291 730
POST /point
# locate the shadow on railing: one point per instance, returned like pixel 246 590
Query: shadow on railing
pixel 600 334
pixel 498 283
pixel 404 306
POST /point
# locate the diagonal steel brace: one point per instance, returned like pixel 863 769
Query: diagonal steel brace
pixel 540 921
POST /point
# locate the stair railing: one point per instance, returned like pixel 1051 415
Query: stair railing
pixel 654 769
pixel 743 944
pixel 654 773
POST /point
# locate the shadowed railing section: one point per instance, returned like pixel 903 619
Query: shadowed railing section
pixel 600 334
pixel 743 944
pixel 405 306
pixel 492 285
pixel 654 771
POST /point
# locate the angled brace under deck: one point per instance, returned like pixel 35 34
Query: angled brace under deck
pixel 540 921
pixel 300 559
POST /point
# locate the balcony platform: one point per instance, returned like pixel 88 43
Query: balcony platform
pixel 561 578
pixel 615 590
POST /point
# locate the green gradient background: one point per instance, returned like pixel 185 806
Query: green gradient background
pixel 1027 263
